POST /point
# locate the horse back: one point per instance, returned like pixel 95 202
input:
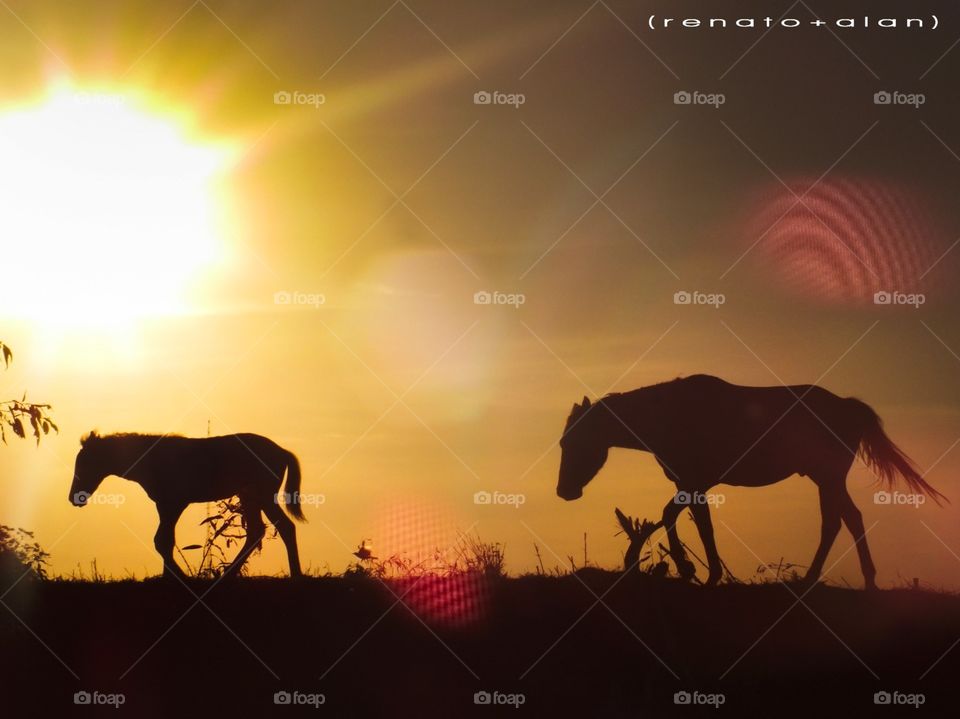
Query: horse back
pixel 195 469
pixel 753 436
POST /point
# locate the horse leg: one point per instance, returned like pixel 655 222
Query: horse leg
pixel 255 531
pixel 288 533
pixel 854 521
pixel 701 516
pixel 685 567
pixel 831 495
pixel 165 538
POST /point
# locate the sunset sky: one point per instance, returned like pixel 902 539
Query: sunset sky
pixel 154 200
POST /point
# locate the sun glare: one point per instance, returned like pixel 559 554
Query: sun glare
pixel 108 210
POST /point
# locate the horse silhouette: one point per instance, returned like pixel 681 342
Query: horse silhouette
pixel 176 471
pixel 704 431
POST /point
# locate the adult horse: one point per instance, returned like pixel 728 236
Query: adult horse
pixel 176 471
pixel 704 431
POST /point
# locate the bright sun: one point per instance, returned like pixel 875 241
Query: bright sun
pixel 108 210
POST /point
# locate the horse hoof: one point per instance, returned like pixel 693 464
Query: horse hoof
pixel 686 570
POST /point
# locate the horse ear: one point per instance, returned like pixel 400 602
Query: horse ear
pixel 88 437
pixel 586 402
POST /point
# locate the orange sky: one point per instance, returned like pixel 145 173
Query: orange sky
pixel 401 396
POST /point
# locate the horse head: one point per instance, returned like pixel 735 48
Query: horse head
pixel 583 451
pixel 88 472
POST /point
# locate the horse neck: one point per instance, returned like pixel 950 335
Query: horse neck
pixel 124 456
pixel 629 421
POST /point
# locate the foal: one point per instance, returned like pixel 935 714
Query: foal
pixel 176 471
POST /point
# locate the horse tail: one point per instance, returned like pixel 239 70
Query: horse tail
pixel 889 461
pixel 292 487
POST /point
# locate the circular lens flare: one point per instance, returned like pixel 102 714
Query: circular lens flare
pixel 431 574
pixel 844 240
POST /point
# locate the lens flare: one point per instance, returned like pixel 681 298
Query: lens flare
pixel 424 537
pixel 846 239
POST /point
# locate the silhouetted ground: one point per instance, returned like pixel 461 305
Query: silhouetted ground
pixel 261 636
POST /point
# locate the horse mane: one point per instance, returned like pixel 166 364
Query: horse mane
pixel 94 436
pixel 646 391
pixel 659 386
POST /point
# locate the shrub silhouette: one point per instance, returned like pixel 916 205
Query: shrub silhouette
pixel 19 553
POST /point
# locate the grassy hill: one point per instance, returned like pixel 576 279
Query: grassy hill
pixel 546 638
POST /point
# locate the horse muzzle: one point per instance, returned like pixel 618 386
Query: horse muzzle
pixel 569 494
